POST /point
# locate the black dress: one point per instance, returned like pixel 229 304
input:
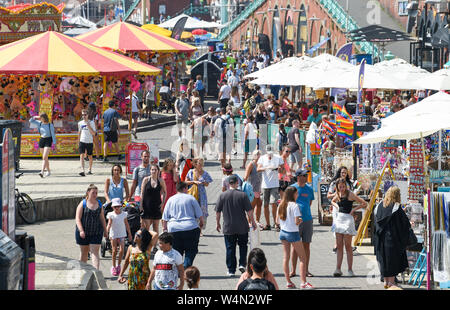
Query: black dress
pixel 151 202
pixel 390 239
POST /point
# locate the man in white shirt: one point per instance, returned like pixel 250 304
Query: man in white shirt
pixel 269 165
pixel 224 94
pixel 86 133
pixel 233 80
pixel 224 132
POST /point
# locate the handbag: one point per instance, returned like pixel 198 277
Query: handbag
pixel 194 189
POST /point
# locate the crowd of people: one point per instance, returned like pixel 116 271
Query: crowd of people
pixel 176 194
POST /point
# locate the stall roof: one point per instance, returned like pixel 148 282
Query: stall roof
pixel 376 33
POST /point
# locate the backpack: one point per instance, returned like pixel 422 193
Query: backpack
pixel 224 125
pixel 283 141
pixel 247 188
pixel 248 104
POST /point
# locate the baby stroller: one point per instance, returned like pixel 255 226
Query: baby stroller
pixel 106 243
pixel 167 100
pixel 134 221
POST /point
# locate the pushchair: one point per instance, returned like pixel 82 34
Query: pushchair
pixel 134 221
pixel 167 100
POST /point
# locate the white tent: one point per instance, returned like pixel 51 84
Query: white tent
pixel 80 21
pixel 419 120
pixel 191 23
pixel 439 80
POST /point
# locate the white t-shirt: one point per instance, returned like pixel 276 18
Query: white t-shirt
pixel 166 270
pixel 236 101
pixel 118 229
pixel 134 104
pixel 251 128
pixel 270 176
pixel 226 91
pixel 289 225
pixel 85 135
pixel 228 127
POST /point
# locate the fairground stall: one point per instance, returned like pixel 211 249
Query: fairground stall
pixel 167 54
pixel 60 76
pixel 25 19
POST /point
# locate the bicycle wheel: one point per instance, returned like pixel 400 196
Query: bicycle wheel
pixel 26 208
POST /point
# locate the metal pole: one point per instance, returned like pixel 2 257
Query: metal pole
pixel 440 150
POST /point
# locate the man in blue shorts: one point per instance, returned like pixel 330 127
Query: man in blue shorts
pixel 304 200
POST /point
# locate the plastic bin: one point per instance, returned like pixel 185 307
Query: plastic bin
pixel 26 242
pixel 16 129
pixel 10 263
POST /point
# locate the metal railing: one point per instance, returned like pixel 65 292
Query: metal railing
pixel 346 22
pixel 131 9
pixel 226 31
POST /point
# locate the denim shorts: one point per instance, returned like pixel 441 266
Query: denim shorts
pixel 289 236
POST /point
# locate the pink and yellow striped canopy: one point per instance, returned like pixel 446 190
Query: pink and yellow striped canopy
pixel 129 38
pixel 54 53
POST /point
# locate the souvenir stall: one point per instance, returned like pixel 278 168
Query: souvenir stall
pixel 37 79
pixel 426 208
pixel 167 54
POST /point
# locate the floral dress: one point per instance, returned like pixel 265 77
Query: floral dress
pixel 139 271
pixel 203 199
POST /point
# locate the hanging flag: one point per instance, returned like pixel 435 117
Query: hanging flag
pixel 337 109
pixel 344 53
pixel 359 105
pixel 178 28
pixel 344 127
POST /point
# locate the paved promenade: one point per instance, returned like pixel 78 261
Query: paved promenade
pixel 55 241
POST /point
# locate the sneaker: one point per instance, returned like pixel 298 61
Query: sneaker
pixel 337 273
pixel 242 269
pixel 113 271
pixel 90 172
pixel 47 173
pixel 230 274
pixel 290 285
pixel 82 174
pixel 306 286
pixel 350 273
pixel 41 174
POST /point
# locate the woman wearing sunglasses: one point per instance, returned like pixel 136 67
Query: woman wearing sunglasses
pixel 138 257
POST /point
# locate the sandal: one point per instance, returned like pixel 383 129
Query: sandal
pixel 290 285
pixel 277 227
pixel 291 275
pixel 267 227
pixel 309 274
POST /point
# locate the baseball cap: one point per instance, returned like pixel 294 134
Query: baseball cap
pixel 116 202
pixel 269 148
pixel 218 110
pixel 300 172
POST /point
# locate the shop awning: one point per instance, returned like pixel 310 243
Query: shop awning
pixel 418 120
pixel 55 53
pixel 129 38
